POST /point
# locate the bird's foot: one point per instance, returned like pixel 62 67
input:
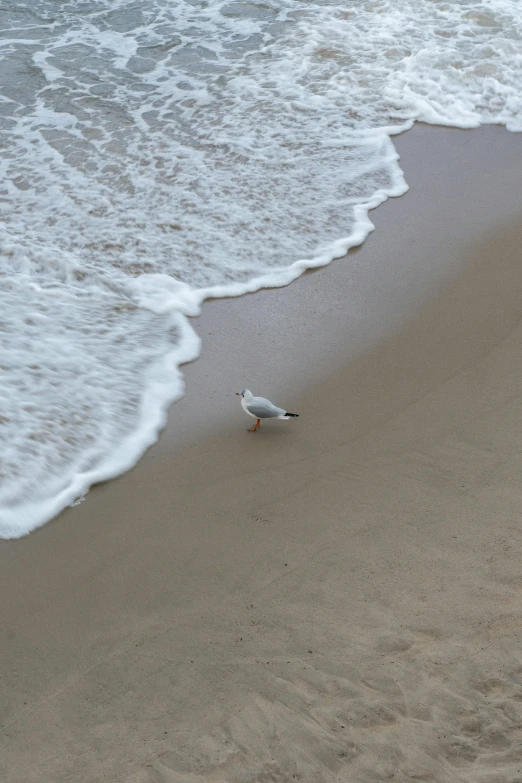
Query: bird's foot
pixel 252 429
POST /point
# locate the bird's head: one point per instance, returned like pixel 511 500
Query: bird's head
pixel 244 393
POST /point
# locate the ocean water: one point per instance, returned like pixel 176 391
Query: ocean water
pixel 157 153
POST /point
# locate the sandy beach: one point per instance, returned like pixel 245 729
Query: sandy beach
pixel 337 598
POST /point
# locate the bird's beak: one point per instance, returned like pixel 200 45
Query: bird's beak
pixel 238 394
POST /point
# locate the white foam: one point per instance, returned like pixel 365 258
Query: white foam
pixel 160 154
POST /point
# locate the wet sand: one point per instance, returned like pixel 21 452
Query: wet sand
pixel 337 598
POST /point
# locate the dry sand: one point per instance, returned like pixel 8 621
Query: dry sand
pixel 332 599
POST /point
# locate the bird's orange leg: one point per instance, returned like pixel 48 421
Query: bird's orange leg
pixel 256 426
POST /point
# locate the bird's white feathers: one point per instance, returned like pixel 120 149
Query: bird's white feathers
pixel 260 407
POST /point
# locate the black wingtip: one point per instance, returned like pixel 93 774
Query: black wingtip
pixel 294 415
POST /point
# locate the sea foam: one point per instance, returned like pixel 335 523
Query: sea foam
pixel 157 154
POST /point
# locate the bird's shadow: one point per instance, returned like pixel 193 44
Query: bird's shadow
pixel 269 431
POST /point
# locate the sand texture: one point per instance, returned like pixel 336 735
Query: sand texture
pixel 337 598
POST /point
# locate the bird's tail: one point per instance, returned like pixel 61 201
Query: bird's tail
pixel 292 415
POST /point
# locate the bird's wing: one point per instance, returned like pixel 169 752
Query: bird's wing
pixel 264 409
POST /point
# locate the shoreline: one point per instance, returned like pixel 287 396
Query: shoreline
pixel 379 304
pixel 335 597
pixel 361 334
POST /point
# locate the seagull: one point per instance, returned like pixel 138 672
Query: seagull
pixel 259 408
